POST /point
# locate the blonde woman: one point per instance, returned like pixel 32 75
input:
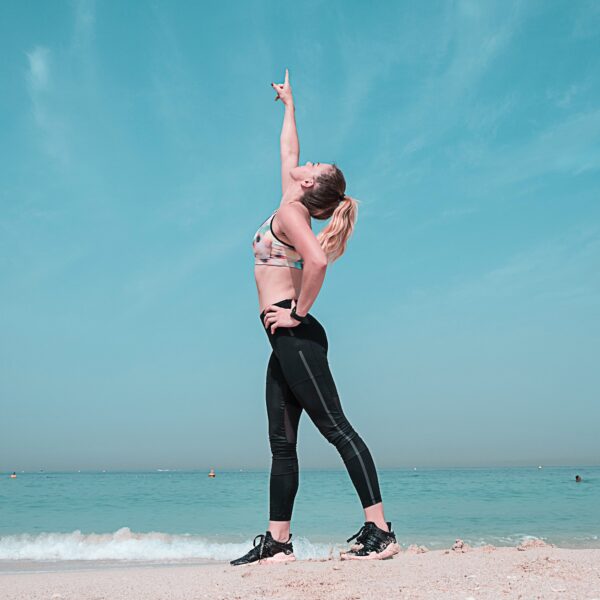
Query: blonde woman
pixel 290 266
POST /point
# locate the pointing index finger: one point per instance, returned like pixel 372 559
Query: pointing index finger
pixel 287 76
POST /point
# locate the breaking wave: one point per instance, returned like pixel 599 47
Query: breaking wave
pixel 125 544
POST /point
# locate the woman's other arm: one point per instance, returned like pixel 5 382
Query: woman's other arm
pixel 290 146
pixel 294 222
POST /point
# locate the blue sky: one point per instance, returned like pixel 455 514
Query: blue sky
pixel 140 153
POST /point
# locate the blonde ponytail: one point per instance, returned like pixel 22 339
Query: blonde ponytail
pixel 334 237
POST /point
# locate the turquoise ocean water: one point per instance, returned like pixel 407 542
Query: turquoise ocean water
pixel 177 515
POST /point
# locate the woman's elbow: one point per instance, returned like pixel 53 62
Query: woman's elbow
pixel 317 263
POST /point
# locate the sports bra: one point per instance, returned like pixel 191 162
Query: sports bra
pixel 270 250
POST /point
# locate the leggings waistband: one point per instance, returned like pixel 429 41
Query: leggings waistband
pixel 287 303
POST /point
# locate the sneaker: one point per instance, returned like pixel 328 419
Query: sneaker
pixel 375 543
pixel 267 551
pixel 362 533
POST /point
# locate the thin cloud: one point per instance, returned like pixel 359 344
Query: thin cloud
pixel 84 22
pixel 478 37
pixel 39 68
pixel 51 128
pixel 563 98
pixel 164 276
pixel 460 47
pixel 569 147
pixel 562 267
pixel 484 119
pixel 177 93
pixel 586 22
pixel 47 84
pixel 556 273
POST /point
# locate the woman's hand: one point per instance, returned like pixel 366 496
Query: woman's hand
pixel 284 90
pixel 277 316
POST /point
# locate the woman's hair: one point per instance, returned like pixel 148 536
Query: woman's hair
pixel 323 202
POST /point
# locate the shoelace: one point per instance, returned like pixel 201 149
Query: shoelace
pixel 372 543
pixel 376 540
pixel 359 534
pixel 261 548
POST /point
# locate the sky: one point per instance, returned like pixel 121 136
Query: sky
pixel 140 153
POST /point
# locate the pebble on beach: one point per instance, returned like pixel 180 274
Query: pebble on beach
pixel 535 543
pixel 460 546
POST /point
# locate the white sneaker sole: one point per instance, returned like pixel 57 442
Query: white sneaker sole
pixel 280 557
pixel 387 553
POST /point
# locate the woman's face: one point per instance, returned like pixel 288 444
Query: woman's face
pixel 309 171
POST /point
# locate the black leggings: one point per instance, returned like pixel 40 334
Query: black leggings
pixel 298 377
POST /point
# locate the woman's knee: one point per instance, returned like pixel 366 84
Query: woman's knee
pixel 284 457
pixel 281 447
pixel 339 433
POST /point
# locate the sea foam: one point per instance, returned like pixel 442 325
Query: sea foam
pixel 125 544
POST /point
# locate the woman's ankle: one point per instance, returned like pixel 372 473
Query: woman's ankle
pixel 382 525
pixel 281 537
pixel 280 530
pixel 376 515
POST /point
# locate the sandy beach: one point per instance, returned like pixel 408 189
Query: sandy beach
pixel 480 573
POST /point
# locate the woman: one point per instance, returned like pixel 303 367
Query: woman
pixel 290 265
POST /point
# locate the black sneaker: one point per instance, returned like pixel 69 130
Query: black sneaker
pixel 362 533
pixel 267 551
pixel 375 543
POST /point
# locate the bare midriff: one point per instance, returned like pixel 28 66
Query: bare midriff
pixel 276 283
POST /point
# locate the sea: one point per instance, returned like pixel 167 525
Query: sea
pixel 171 516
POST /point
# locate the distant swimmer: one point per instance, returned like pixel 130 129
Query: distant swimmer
pixel 212 473
pixel 578 478
pixel 13 475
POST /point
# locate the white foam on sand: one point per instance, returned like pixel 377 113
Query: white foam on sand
pixel 125 544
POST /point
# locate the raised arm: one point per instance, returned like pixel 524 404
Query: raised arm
pixel 290 147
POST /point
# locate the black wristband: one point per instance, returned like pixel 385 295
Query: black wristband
pixel 298 317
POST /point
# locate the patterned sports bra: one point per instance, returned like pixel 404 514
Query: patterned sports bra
pixel 270 250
